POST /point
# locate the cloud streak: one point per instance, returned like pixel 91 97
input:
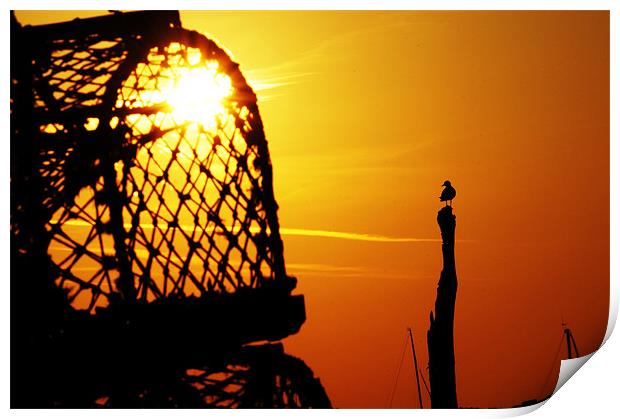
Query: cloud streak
pixel 299 232
pixel 352 236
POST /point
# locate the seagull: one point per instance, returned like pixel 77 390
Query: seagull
pixel 448 193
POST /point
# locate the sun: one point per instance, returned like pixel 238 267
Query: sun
pixel 199 94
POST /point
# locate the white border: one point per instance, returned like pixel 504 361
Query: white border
pixel 593 393
pixel 314 5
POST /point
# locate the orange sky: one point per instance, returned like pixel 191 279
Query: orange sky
pixel 367 113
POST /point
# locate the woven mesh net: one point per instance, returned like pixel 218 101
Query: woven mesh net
pixel 169 193
pixel 256 377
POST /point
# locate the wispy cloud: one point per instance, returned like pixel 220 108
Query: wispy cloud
pixel 285 231
pixel 351 236
pixel 266 82
pixel 318 267
pixel 317 270
pixel 299 269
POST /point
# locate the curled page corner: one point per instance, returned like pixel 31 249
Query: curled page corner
pixel 568 367
pixel 520 411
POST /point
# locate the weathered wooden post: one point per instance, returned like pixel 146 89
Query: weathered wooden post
pixel 441 332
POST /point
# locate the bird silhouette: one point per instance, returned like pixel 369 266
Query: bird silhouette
pixel 448 193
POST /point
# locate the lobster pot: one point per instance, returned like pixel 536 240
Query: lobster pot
pixel 150 168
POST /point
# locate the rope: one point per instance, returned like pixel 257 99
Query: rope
pixel 572 338
pixel 425 385
pixel 552 364
pixel 400 365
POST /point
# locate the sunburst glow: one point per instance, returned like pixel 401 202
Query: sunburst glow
pixel 199 95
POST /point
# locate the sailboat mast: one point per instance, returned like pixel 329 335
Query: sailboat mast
pixel 415 364
pixel 568 345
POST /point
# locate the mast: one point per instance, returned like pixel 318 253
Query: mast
pixel 415 365
pixel 570 343
pixel 568 346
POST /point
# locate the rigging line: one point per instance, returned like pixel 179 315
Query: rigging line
pixel 553 363
pixel 425 385
pixel 400 365
pixel 572 338
pixel 415 365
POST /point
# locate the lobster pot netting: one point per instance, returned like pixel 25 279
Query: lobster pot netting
pixel 257 377
pixel 175 196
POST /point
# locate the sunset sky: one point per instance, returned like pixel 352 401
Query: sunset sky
pixel 367 114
